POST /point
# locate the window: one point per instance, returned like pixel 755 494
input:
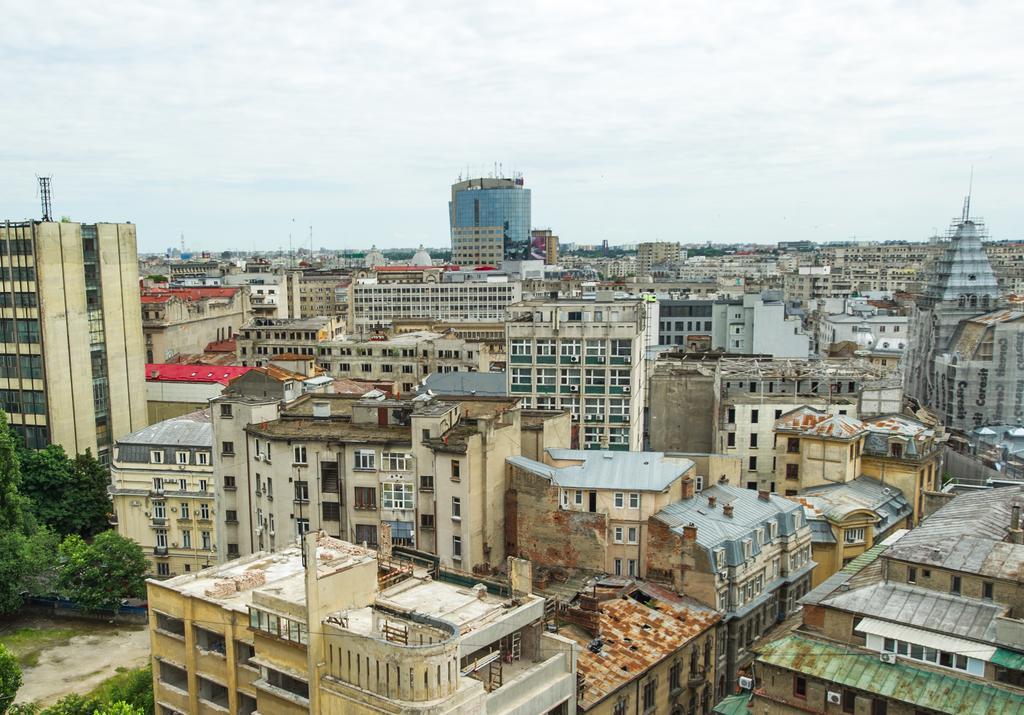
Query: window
pixel 456 508
pixel 634 500
pixel 426 483
pixel 650 688
pixel 181 457
pixel 522 376
pixel 186 539
pixel 730 416
pixel 207 542
pixel 456 470
pixel 631 567
pixel 396 495
pixel 156 457
pixel 365 459
pixel 595 378
pixel 300 454
pixel 753 440
pixel 397 461
pixel 301 527
pixel 793 445
pixel 854 536
pixel 954 584
pixel 674 676
pixel 519 347
pixel 225 410
pixel 183 510
pixel 752 464
pixel 231 516
pixel 203 458
pixel 365 499
pixel 987 590
pixel 799 687
pixel 159 510
pixel 618 567
pixel 618 535
pixel 631 535
pixel 204 511
pixel 227 448
pixel 620 378
pixel 545 348
pixel 331 511
pixel 578 497
pixel 730 439
pixel 849 701
pixel 570 377
pixel 911 575
pixel 366 533
pixel 879 707
pixel 619 500
pixel 301 491
pixel 457 548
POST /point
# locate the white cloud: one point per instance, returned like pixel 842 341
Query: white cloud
pixel 688 121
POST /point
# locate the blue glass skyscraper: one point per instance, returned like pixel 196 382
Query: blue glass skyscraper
pixel 490 221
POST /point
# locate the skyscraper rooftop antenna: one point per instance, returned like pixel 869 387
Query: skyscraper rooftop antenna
pixel 45 197
pixel 967 199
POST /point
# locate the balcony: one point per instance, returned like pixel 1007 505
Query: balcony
pixel 158 521
pixel 696 678
pixel 160 551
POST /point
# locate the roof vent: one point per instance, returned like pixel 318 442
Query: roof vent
pixel 607 455
pixel 727 510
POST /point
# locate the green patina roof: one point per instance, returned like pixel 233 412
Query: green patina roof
pixel 1008 659
pixel 865 672
pixel 864 559
pixel 734 705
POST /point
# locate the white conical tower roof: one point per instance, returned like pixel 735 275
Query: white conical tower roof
pixel 964 268
pixel 421 257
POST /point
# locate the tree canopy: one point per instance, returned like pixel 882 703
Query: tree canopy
pixel 10 679
pixel 67 495
pixel 101 573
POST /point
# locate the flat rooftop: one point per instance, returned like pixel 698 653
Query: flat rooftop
pixel 280 574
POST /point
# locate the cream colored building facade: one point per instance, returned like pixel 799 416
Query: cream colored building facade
pixel 185 321
pixel 586 357
pixel 432 471
pixel 163 493
pixel 344 630
pixel 73 366
pixel 657 253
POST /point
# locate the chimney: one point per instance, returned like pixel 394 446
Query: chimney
pixel 764 495
pixel 712 500
pixel 727 510
pixel 321 409
pixel 687 488
pixel 690 532
pixel 1016 534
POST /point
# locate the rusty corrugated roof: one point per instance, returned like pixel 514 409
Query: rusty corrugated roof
pixel 635 636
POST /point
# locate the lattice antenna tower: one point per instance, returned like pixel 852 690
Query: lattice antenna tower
pixel 46 197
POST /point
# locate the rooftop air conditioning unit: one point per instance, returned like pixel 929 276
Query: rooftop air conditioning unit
pixel 889 658
pixel 833 697
pixel 746 683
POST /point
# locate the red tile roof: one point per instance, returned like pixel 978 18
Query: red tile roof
pixel 221 346
pixel 193 373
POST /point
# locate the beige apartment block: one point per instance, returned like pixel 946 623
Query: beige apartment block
pixel 261 339
pixel 332 627
pixel 72 370
pixel 586 357
pixel 432 471
pixel 657 253
pixel 183 321
pixel 163 494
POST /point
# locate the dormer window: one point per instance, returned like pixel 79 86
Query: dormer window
pixel 896 450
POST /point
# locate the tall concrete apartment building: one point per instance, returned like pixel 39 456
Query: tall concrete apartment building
pixel 585 357
pixel 73 363
pixel 657 253
pixel 490 221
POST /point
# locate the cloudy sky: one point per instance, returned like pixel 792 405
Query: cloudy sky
pixel 237 123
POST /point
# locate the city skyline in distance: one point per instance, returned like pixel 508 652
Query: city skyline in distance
pixel 679 124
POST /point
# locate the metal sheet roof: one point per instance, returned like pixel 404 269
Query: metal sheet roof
pixel 838 501
pixel 600 469
pixel 193 430
pixel 921 608
pixel 929 639
pixel 919 687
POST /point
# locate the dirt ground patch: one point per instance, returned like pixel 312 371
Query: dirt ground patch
pixel 60 657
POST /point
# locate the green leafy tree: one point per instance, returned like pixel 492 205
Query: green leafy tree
pixel 68 495
pixel 119 708
pixel 12 503
pixel 10 679
pixel 134 687
pixel 102 573
pixel 73 705
pixel 27 566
